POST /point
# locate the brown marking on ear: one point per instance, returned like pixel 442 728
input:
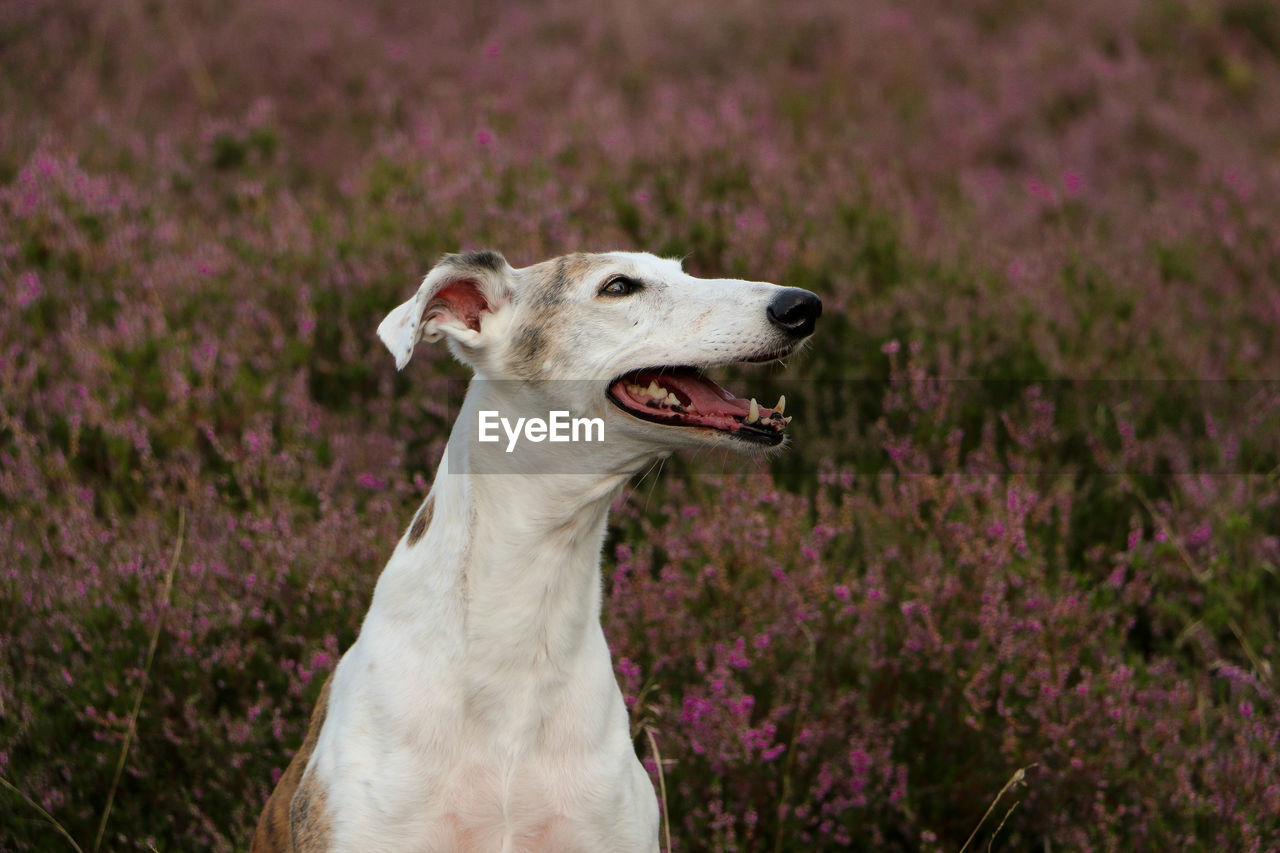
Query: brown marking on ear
pixel 276 831
pixel 422 520
pixel 484 259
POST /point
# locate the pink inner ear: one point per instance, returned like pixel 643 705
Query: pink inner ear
pixel 461 299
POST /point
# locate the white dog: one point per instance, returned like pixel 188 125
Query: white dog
pixel 478 710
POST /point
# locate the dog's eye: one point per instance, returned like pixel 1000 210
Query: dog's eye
pixel 620 285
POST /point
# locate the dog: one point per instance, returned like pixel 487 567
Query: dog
pixel 478 709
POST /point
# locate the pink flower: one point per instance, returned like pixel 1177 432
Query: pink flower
pixel 28 289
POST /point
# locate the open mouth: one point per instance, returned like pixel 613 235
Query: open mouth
pixel 684 397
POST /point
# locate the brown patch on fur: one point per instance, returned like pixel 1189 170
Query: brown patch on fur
pixel 552 281
pixel 553 284
pixel 308 818
pixel 528 353
pixel 555 278
pixel 294 819
pixel 422 520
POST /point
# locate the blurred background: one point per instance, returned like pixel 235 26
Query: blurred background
pixel 206 207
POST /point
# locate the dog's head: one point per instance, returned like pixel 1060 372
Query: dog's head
pixel 619 335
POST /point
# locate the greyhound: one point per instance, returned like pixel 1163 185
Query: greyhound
pixel 478 709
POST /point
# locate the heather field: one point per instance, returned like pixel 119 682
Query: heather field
pixel 1030 518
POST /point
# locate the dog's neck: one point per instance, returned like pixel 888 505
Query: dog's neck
pixel 506 579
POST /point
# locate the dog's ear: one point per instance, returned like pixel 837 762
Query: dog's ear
pixel 455 299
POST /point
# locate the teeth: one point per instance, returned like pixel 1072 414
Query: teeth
pixel 653 392
pixel 782 404
pixel 787 420
pixel 753 414
pixel 672 399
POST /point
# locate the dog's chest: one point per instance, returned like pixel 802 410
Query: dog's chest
pixel 480 804
pixel 484 805
pixel 457 769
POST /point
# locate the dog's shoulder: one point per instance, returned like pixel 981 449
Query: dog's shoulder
pixel 295 819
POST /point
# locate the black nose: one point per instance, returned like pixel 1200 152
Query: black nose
pixel 795 311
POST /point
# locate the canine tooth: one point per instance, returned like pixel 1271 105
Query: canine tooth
pixel 672 399
pixel 754 414
pixel 787 420
pixel 782 404
pixel 655 390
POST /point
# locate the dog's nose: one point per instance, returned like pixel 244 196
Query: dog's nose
pixel 795 311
